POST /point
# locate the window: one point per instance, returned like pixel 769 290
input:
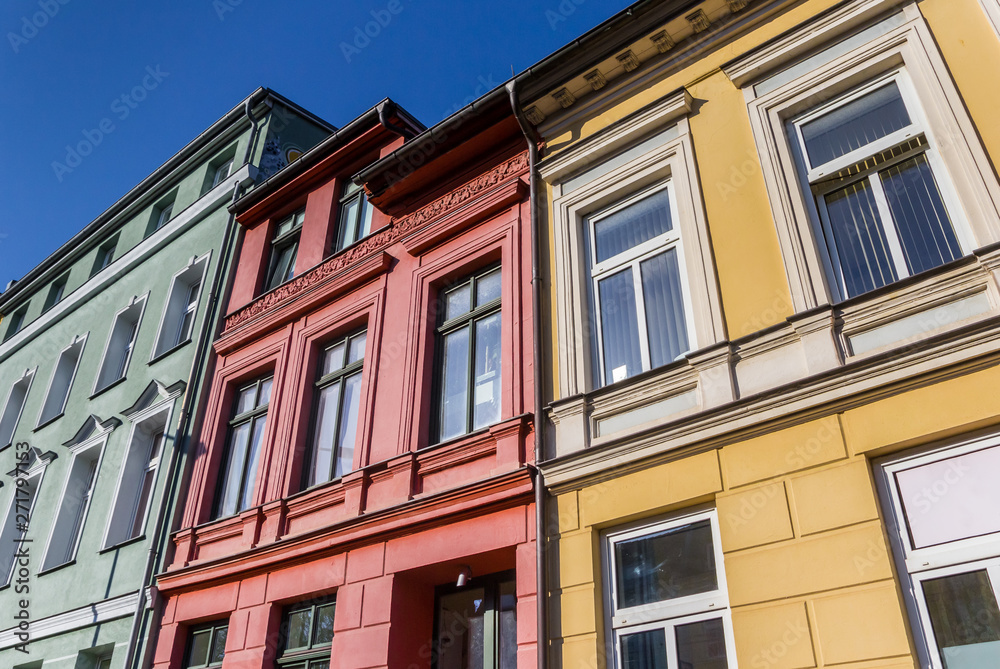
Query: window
pixel 307 635
pixel 355 216
pixel 56 292
pixel 876 184
pixel 163 215
pixel 945 532
pixel 68 527
pixel 338 401
pixel 468 396
pixel 667 595
pixel 873 169
pixel 138 477
pixel 246 433
pixel 121 343
pixel 13 407
pixel 62 381
pixel 284 248
pixel 638 295
pixel 206 646
pixel 16 322
pixel 181 309
pixel 221 172
pixel 475 625
pixel 19 510
pixel 104 662
pixel 105 255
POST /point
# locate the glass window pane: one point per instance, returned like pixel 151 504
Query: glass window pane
pixel 865 258
pixel 333 359
pixel 367 211
pixel 357 351
pixel 488 288
pixel 455 385
pixel 245 400
pixel 457 302
pixel 299 629
pixel 251 474
pixel 925 231
pixel 219 644
pixel 619 327
pixel 319 664
pixel 645 650
pixel 198 655
pixel 952 499
pixel 324 433
pixel 702 645
pixel 862 121
pixel 234 469
pixel 673 563
pixel 966 620
pixel 324 624
pixel 265 392
pixel 348 424
pixel 348 223
pixel 487 372
pixel 633 225
pixel 461 629
pixel 507 625
pixel 141 502
pixel 661 288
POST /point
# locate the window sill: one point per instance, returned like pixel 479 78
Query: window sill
pixel 122 544
pixel 45 572
pixel 48 422
pixel 176 347
pixel 108 387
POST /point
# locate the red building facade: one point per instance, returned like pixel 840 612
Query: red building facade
pixel 361 495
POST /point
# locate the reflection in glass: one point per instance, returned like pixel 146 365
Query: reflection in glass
pixel 487 372
pixel 673 563
pixel 702 645
pixel 455 384
pixel 661 286
pixel 966 620
pixel 461 629
pixel 645 650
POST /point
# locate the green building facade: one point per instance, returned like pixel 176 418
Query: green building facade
pixel 104 346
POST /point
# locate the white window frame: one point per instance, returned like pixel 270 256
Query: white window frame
pixel 652 147
pixel 15 418
pixel 902 44
pixel 137 303
pixel 36 472
pixel 145 425
pixel 222 171
pixel 916 565
pixel 79 342
pixel 85 449
pixel 633 258
pixel 176 307
pixel 992 10
pixel 670 614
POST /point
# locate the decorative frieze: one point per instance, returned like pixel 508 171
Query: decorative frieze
pixel 534 115
pixel 596 80
pixel 663 41
pixel 699 21
pixel 564 98
pixel 628 60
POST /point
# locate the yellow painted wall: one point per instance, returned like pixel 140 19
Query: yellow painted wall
pixel 810 577
pixel 753 286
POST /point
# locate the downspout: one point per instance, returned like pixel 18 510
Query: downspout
pixel 190 392
pixel 385 118
pixel 538 426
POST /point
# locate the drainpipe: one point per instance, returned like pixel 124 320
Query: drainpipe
pixel 190 392
pixel 538 427
pixel 385 118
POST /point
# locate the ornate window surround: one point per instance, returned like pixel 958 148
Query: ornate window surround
pixel 661 132
pixel 907 46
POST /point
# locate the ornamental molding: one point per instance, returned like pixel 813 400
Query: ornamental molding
pixel 399 228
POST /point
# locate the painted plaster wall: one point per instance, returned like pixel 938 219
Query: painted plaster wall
pixel 811 582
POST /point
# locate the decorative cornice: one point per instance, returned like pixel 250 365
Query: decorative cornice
pixel 380 240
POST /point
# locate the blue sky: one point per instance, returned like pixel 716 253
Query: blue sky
pixel 63 64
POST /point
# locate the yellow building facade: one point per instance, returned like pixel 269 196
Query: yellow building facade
pixel 771 270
